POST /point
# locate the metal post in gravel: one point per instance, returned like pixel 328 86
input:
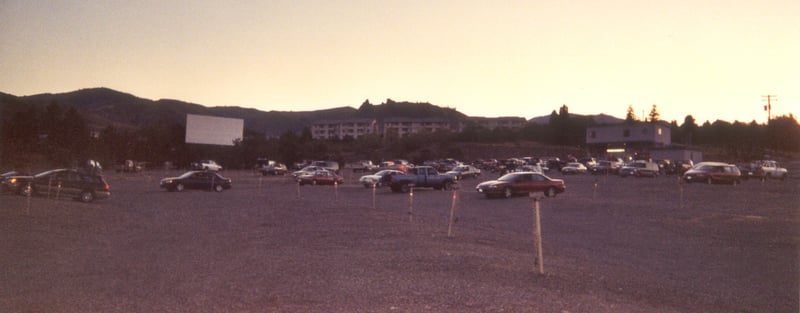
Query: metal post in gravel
pixel 298 189
pixel 336 190
pixel 537 236
pixel 452 214
pixel 58 191
pixel 28 193
pixel 411 204
pixel 374 188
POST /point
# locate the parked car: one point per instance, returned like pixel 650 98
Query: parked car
pixel 682 166
pixel 769 169
pixel 270 167
pixel 381 178
pixel 306 170
pixel 362 166
pixel 207 180
pixel 605 167
pixel 574 168
pixel 464 171
pixel 422 176
pixel 130 166
pixel 521 183
pixel 588 162
pixel 639 168
pixel 746 170
pixel 82 185
pixel 328 165
pixel 713 172
pixel 320 177
pixel 207 165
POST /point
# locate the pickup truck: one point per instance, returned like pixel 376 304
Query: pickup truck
pixel 421 176
pixel 769 169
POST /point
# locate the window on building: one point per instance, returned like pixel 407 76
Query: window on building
pixel 659 131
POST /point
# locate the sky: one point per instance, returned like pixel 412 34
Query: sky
pixel 709 59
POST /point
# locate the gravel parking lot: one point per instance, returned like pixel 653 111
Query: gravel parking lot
pixel 267 245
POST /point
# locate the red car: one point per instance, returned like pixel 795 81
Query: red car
pixel 320 177
pixel 521 183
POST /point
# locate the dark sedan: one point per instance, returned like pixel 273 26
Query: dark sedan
pixel 208 180
pixel 521 183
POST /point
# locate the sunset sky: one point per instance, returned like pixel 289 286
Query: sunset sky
pixel 711 59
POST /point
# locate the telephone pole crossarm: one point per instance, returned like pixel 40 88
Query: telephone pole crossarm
pixel 768 106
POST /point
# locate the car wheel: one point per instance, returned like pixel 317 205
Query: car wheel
pixel 447 186
pixel 551 192
pixel 179 187
pixel 507 192
pixel 87 196
pixel 27 191
pixel 709 180
pixel 735 182
pixel 314 182
pixel 218 188
pixel 367 185
pixel 405 188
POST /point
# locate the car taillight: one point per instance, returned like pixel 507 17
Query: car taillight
pixel 106 187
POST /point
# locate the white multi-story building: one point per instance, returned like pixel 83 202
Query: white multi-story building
pixel 510 122
pixel 402 126
pixel 339 129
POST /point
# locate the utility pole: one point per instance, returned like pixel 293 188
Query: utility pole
pixel 768 107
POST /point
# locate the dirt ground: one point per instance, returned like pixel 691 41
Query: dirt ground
pixel 267 245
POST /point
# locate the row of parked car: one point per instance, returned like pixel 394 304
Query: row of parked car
pixel 87 183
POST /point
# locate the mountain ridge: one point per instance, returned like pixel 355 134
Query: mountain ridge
pixel 103 107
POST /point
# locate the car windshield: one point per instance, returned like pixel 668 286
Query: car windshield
pixel 45 173
pixel 383 172
pixel 187 174
pixel 509 177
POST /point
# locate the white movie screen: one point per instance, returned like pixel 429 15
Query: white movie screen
pixel 213 130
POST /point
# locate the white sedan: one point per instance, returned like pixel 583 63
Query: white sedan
pixel 381 178
pixel 574 168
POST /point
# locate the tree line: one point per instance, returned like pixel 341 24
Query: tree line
pixel 56 136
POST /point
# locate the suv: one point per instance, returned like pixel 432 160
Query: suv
pixel 769 169
pixel 713 172
pixel 80 184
